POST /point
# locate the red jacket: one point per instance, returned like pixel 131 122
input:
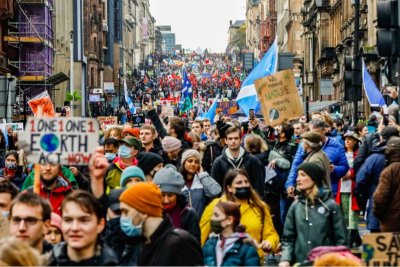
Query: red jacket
pixel 354 205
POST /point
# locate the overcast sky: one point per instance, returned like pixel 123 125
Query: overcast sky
pixel 199 23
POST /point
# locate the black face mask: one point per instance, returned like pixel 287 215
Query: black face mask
pixel 242 193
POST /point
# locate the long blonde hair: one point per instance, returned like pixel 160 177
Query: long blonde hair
pixel 14 252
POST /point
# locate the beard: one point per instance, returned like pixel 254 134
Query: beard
pixel 48 182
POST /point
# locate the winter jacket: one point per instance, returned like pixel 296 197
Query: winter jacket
pixel 104 257
pixel 386 205
pixel 318 156
pixel 213 151
pixel 114 172
pixel 204 188
pixel 366 148
pixel 56 195
pixel 246 161
pixel 171 247
pixel 336 155
pixel 368 177
pixel 18 179
pixel 257 226
pixel 237 253
pixel 125 248
pixel 65 172
pixel 310 225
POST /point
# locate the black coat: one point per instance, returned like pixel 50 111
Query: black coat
pixel 171 247
pixel 213 151
pixel 248 162
pixel 104 257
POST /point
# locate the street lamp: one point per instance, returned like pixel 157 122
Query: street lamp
pixel 10 79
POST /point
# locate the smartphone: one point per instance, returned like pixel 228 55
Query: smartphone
pixel 386 120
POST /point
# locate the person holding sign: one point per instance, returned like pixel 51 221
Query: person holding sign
pixel 313 220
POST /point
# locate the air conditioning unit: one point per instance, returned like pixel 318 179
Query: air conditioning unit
pixel 97 90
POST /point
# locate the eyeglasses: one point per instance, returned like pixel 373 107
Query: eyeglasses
pixel 31 221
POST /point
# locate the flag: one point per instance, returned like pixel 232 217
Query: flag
pixel 372 92
pixel 185 102
pixel 210 114
pixel 128 99
pixel 247 98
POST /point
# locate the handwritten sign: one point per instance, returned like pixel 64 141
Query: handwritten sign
pixel 67 141
pixel 382 249
pixel 168 111
pixel 279 98
pixel 107 121
pixel 16 127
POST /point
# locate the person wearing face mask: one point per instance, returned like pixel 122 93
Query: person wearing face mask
pixel 111 146
pixel 141 215
pixel 174 203
pixel 8 192
pixel 230 246
pixel 12 171
pixel 255 213
pixel 127 152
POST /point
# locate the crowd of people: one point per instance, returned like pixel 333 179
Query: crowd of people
pixel 183 191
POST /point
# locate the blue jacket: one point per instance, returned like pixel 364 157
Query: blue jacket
pixel 337 156
pixel 240 254
pixel 368 176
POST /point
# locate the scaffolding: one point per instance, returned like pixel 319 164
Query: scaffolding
pixel 30 41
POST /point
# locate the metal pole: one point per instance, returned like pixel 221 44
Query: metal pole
pixel 307 108
pixel 71 72
pixel 398 87
pixel 356 49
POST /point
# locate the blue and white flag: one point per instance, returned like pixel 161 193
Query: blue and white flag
pixel 247 98
pixel 372 92
pixel 128 99
pixel 185 102
pixel 210 114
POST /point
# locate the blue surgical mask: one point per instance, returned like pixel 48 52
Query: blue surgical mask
pixel 11 165
pixel 110 156
pixel 125 152
pixel 129 228
pixel 5 214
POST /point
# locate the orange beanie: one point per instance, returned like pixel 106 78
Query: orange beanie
pixel 144 197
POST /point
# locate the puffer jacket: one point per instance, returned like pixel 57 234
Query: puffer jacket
pixel 310 225
pixel 386 205
pixel 204 188
pixel 335 153
pixel 246 161
pixel 104 257
pixel 236 251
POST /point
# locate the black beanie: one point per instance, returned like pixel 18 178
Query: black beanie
pixel 148 160
pixel 222 127
pixel 313 170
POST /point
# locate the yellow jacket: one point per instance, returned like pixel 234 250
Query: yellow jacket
pixel 250 217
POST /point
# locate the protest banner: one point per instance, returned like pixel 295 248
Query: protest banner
pixel 41 104
pixel 168 111
pixel 16 127
pixel 227 107
pixel 107 121
pixel 381 249
pixel 66 141
pixel 279 98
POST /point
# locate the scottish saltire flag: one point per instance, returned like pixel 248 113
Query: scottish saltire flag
pixel 372 92
pixel 128 99
pixel 210 114
pixel 247 98
pixel 185 102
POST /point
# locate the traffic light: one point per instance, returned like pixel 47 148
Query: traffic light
pixel 388 24
pixel 352 78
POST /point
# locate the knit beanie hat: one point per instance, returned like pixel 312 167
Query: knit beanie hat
pixel 169 181
pixel 144 197
pixel 132 131
pixel 190 153
pixel 222 127
pixel 313 170
pixel 131 172
pixel 55 220
pixel 148 160
pixel 312 137
pixel 388 132
pixel 170 143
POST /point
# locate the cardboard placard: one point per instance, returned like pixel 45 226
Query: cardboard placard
pixel 381 249
pixel 66 141
pixel 4 227
pixel 168 111
pixel 106 121
pixel 279 98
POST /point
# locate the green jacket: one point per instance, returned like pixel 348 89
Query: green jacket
pixel 308 226
pixel 65 172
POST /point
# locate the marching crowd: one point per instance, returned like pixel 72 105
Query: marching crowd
pixel 182 191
